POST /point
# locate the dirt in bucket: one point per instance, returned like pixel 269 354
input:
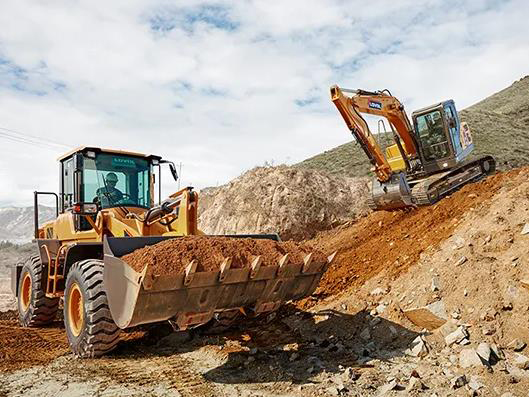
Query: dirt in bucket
pixel 172 256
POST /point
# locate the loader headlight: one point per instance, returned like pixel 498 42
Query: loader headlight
pixel 85 208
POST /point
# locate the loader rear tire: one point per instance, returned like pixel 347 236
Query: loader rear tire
pixel 89 325
pixel 34 308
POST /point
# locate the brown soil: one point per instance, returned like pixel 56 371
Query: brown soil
pixel 27 347
pixel 394 241
pixel 172 256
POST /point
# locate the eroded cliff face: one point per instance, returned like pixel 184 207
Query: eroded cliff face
pixel 296 203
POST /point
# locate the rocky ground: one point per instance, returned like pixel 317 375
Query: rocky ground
pixel 429 302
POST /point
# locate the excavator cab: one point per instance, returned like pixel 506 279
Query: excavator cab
pixel 443 140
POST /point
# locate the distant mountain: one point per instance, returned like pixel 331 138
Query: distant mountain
pixel 17 223
pixel 499 125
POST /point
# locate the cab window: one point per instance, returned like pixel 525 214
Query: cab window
pixel 431 133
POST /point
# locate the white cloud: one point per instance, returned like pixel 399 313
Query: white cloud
pixel 219 85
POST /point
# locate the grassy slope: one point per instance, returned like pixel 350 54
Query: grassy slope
pixel 499 124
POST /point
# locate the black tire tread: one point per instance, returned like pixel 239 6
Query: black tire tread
pixel 42 310
pixel 100 334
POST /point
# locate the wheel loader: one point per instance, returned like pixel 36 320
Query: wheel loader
pixel 429 157
pixel 105 210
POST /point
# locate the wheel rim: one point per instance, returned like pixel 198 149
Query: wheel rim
pixel 25 295
pixel 75 309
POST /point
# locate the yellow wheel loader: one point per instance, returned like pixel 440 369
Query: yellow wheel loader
pixel 105 210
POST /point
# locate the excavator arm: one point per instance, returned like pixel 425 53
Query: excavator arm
pixel 380 104
pixel 390 189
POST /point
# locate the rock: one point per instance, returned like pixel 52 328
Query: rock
pixel 435 284
pixel 521 361
pixel 344 306
pixel 525 283
pixel 525 229
pixel 474 384
pixel 378 291
pixel 456 315
pixel 488 329
pixel 507 306
pixel 458 381
pixel 459 242
pixel 381 308
pixel 464 342
pixel 457 336
pixel 350 374
pixel 462 260
pixel 430 317
pixel 465 292
pixel 508 394
pixel 517 345
pixel 253 351
pixel 414 384
pixel 365 334
pixel 484 351
pixel 293 357
pixel 383 390
pixel 418 347
pixel 375 321
pixel 469 358
pixel 497 352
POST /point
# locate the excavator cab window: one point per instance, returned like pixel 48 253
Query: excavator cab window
pixel 432 135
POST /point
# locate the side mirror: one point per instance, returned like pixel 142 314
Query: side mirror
pixel 173 171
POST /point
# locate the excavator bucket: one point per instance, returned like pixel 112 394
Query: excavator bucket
pixel 390 195
pixel 192 298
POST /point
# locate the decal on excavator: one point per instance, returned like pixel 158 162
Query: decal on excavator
pixel 375 105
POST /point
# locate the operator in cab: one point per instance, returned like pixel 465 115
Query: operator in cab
pixel 109 195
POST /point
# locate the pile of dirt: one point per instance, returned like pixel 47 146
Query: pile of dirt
pixel 293 202
pixel 394 241
pixel 172 256
pixel 27 347
pixel 498 123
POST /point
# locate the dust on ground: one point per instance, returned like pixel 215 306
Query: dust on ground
pixel 172 256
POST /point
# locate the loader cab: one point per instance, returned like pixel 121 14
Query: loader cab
pixel 106 179
pixel 443 140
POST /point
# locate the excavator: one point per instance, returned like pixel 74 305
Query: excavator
pixel 429 156
pixel 105 209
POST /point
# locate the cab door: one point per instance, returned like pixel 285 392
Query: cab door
pixel 452 121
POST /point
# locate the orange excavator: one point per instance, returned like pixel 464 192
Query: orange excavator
pixel 429 156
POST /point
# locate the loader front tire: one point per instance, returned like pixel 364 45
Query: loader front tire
pixel 34 308
pixel 89 325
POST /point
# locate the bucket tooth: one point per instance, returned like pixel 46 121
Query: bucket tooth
pixel 256 265
pixel 224 267
pixel 191 268
pixel 331 257
pixel 283 262
pixel 307 261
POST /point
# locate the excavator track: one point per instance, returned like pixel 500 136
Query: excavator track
pixel 435 187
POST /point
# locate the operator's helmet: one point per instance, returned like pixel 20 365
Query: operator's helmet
pixel 111 178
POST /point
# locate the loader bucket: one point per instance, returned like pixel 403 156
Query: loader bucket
pixel 192 298
pixel 392 194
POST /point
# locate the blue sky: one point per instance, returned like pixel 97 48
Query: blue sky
pixel 223 86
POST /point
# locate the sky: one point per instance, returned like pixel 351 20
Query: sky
pixel 224 86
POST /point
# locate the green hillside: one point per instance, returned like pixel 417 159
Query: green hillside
pixel 499 125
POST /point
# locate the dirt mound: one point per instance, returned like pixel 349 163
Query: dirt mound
pixel 27 347
pixel 393 241
pixel 293 202
pixel 172 256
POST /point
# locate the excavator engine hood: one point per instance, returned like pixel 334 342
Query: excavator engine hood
pixel 192 298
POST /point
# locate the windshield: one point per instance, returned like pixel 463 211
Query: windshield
pixel 116 180
pixel 430 130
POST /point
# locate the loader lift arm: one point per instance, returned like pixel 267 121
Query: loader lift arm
pixel 380 104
